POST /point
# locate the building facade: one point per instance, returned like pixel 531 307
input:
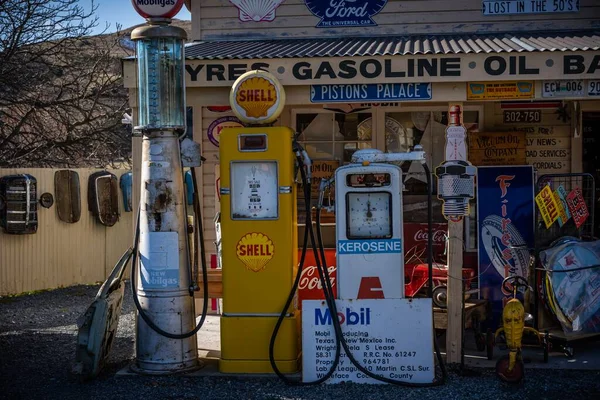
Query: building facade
pixel 383 73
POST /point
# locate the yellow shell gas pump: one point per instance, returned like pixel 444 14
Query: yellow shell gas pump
pixel 259 225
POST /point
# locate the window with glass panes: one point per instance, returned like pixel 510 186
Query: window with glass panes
pixel 330 135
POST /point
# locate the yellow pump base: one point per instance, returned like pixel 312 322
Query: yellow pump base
pixel 245 345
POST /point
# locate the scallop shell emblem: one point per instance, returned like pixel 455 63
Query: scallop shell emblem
pixel 255 250
pixel 256 96
pixel 256 10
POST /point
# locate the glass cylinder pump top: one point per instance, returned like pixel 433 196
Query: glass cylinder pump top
pixel 160 70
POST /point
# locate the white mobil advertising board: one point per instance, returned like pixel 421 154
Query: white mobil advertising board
pixel 392 338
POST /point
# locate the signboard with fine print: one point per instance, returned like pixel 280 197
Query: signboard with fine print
pixel 497 148
pixel 373 329
pixel 500 90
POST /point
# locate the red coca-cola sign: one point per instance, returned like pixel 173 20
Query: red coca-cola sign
pixel 309 287
pixel 415 242
pixel 415 252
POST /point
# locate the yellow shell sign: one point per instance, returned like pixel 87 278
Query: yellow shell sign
pixel 257 97
pixel 255 250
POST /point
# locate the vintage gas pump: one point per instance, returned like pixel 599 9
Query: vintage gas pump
pixel 165 336
pixel 259 224
pixel 369 201
pixel 368 198
pixel 371 304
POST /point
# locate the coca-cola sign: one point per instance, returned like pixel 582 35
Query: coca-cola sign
pixel 415 252
pixel 310 278
pixel 415 242
pixel 345 13
pixel 422 235
pixel 310 287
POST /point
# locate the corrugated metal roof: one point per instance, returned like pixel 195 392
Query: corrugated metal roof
pixel 394 46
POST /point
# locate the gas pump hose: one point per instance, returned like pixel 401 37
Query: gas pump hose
pixel 326 289
pixel 142 313
pixel 330 299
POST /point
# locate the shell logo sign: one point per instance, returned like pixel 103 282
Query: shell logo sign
pixel 255 250
pixel 257 97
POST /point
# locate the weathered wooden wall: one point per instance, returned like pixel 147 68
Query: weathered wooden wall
pixel 219 19
pixel 62 254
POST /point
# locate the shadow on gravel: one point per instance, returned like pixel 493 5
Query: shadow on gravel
pixel 37 349
pixel 37 364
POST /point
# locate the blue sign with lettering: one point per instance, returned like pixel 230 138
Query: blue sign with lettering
pixel 378 92
pixel 506 220
pixel 340 13
pixel 370 246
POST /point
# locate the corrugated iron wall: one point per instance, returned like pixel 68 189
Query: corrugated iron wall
pixel 62 254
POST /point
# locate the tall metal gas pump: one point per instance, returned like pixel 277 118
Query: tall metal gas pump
pixel 165 336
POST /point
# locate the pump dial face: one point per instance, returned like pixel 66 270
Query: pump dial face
pixel 369 215
pixel 254 193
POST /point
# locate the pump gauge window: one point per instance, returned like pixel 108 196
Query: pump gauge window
pixel 369 215
pixel 254 193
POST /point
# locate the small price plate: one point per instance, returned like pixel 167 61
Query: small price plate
pixel 594 88
pixel 522 116
pixel 563 88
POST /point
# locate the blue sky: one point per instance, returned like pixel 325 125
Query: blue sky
pixel 121 11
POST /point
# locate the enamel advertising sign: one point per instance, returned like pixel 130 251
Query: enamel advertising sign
pixel 255 250
pixel 340 13
pixel 577 207
pixel 505 218
pixel 381 92
pixel 547 205
pixel 510 7
pixel 500 90
pixel 157 8
pixel 257 97
pixel 256 11
pixel 215 128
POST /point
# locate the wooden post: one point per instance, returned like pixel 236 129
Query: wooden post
pixel 455 288
pixel 455 263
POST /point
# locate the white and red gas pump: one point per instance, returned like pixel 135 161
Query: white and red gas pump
pixel 386 338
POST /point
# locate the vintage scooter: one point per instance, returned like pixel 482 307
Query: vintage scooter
pixel 509 367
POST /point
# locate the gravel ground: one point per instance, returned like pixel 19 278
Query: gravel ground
pixel 37 348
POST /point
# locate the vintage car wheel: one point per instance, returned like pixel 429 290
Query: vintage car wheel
pixel 440 296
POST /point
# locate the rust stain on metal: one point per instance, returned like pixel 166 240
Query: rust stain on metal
pixel 164 199
pixel 157 221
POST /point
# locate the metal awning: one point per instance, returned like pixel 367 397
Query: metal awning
pixel 394 45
